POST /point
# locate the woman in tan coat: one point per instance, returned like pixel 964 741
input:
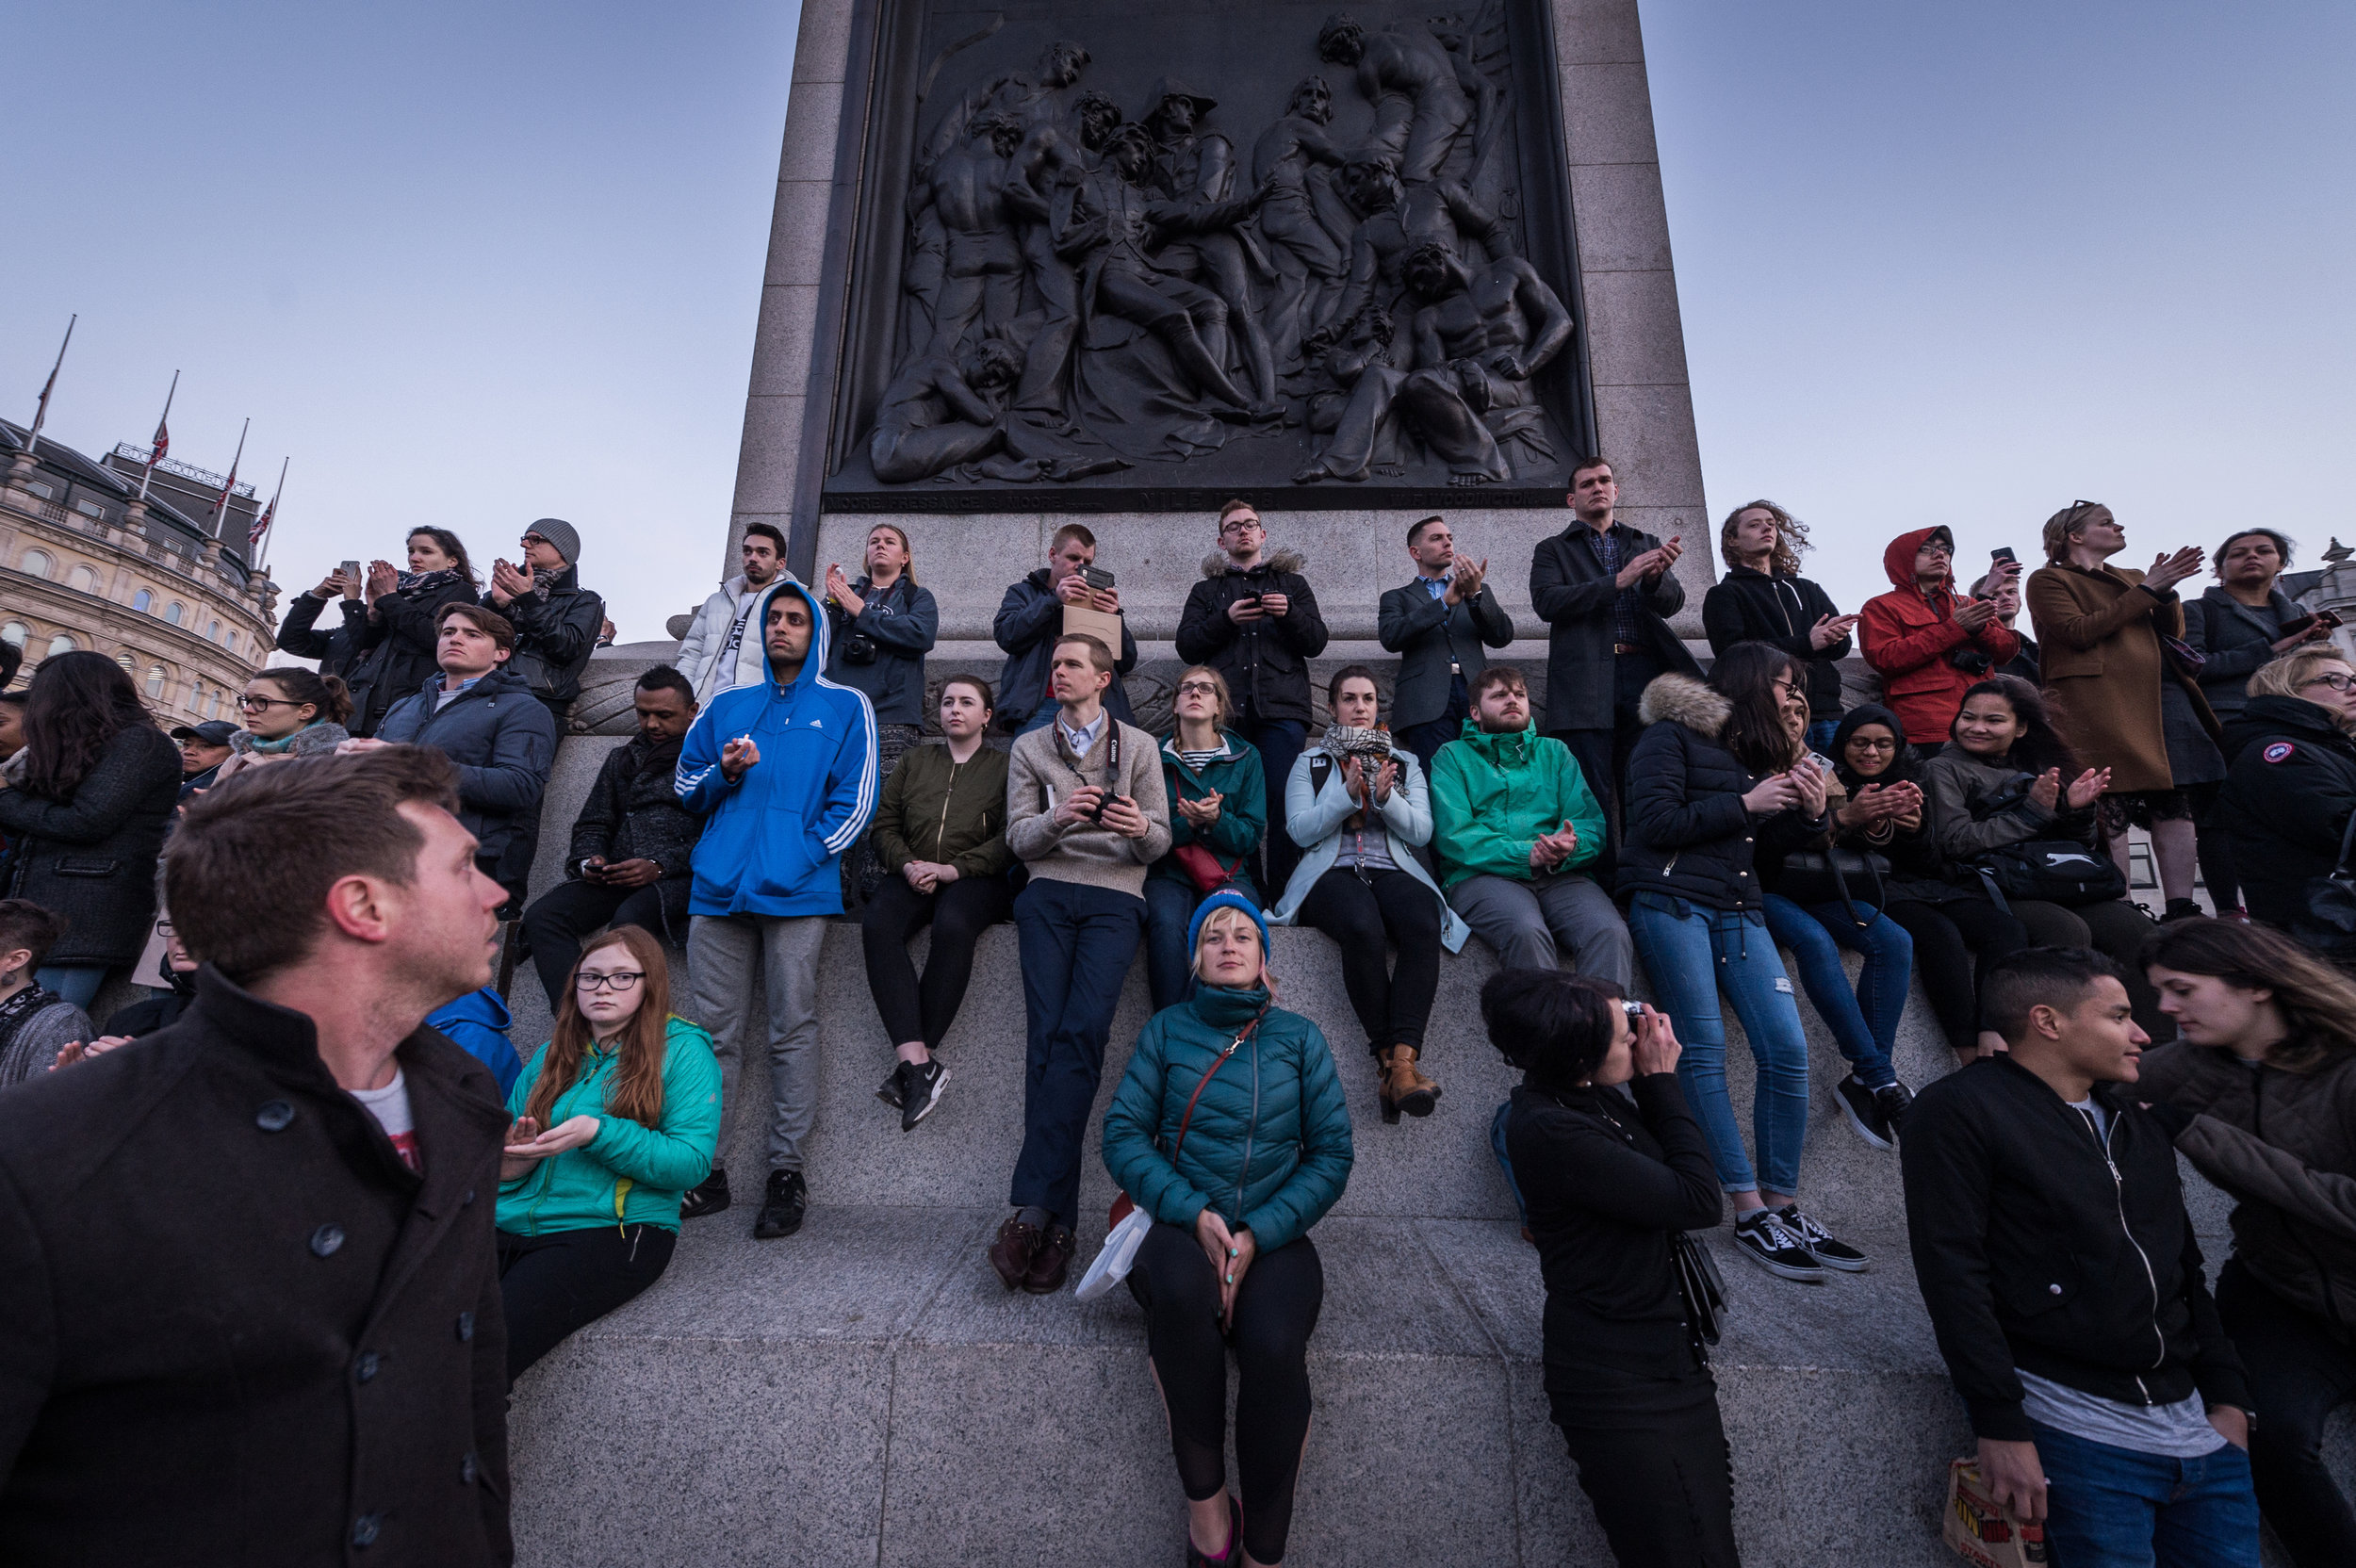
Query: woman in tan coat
pixel 2114 689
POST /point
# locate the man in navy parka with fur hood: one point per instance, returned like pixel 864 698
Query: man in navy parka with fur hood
pixel 782 765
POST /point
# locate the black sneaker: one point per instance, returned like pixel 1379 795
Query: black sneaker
pixel 1821 1242
pixel 782 1209
pixel 1762 1235
pixel 1863 1107
pixel 894 1090
pixel 709 1196
pixel 924 1081
pixel 1895 1100
pixel 2180 909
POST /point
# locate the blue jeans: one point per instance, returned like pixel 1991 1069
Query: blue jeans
pixel 2114 1507
pixel 1689 957
pixel 1076 943
pixel 1864 1024
pixel 78 983
pixel 1820 734
pixel 1505 1159
pixel 1168 965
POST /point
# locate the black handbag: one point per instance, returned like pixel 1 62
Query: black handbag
pixel 1824 875
pixel 2328 924
pixel 1703 1287
pixel 2052 871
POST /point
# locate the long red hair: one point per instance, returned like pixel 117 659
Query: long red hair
pixel 635 1091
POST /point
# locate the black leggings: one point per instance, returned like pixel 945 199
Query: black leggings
pixel 958 913
pixel 554 1283
pixel 1945 937
pixel 1393 1005
pixel 1653 1460
pixel 1276 1310
pixel 2300 1373
pixel 2214 848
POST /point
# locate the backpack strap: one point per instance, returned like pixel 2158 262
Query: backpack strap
pixel 1320 769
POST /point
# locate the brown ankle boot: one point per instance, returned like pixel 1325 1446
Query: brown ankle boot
pixel 1404 1086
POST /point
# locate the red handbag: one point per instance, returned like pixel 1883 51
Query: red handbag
pixel 1123 1203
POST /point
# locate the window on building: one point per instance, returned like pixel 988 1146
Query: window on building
pixel 155 678
pixel 176 614
pixel 212 707
pixel 143 600
pixel 89 509
pixel 37 564
pixel 230 642
pixel 123 660
pixel 14 633
pixel 82 580
pixel 45 492
pixel 62 642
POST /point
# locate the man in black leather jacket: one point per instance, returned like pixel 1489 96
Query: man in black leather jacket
pixel 2063 1279
pixel 556 619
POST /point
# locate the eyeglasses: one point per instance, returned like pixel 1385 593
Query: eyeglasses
pixel 1861 744
pixel 263 704
pixel 531 539
pixel 1241 525
pixel 1197 688
pixel 620 980
pixel 2337 682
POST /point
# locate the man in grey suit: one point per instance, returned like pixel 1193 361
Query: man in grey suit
pixel 1438 625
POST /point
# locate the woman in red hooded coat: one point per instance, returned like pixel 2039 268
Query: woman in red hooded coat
pixel 1927 641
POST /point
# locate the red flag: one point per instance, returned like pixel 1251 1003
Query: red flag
pixel 163 444
pixel 261 525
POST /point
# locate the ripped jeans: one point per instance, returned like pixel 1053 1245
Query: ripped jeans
pixel 1691 952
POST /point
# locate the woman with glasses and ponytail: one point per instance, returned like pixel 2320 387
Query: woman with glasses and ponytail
pixel 289 712
pixel 615 1117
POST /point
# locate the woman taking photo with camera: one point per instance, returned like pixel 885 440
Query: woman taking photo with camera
pixel 1229 1129
pixel 1217 815
pixel 1358 806
pixel 1611 1180
pixel 2260 1093
pixel 615 1117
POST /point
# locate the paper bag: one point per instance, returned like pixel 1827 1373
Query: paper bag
pixel 1081 621
pixel 1980 1530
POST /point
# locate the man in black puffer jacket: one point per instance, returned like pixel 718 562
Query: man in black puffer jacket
pixel 2062 1280
pixel 557 621
pixel 633 842
pixel 2290 787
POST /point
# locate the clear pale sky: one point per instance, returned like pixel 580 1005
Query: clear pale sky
pixel 474 264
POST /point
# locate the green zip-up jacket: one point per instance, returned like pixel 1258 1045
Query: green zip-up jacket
pixel 936 809
pixel 1269 1144
pixel 1493 796
pixel 628 1174
pixel 1242 785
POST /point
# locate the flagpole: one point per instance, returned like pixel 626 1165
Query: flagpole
pixel 156 450
pixel 221 512
pixel 269 514
pixel 41 414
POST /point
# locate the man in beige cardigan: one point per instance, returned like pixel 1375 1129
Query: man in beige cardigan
pixel 1087 813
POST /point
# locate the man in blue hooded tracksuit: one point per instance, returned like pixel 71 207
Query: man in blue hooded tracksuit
pixel 782 765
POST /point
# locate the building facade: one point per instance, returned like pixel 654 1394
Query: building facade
pixel 86 564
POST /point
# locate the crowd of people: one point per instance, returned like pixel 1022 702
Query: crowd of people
pixel 353 861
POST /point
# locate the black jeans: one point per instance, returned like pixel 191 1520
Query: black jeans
pixel 1077 942
pixel 559 917
pixel 914 1010
pixel 1426 739
pixel 554 1283
pixel 1392 1006
pixel 1278 742
pixel 1276 1311
pixel 1652 1457
pixel 1945 937
pixel 1603 754
pixel 2300 1372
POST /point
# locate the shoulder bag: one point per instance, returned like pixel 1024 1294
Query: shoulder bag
pixel 1827 875
pixel 1200 862
pixel 2050 870
pixel 1130 1223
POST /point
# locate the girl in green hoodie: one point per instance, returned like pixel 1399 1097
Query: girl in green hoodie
pixel 615 1117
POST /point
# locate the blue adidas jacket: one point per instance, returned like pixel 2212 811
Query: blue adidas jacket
pixel 773 842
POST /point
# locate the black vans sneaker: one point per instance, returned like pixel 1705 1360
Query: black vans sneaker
pixel 1761 1234
pixel 709 1196
pixel 783 1206
pixel 895 1086
pixel 1864 1113
pixel 924 1083
pixel 1820 1244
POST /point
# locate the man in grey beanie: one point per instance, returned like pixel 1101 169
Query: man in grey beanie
pixel 556 619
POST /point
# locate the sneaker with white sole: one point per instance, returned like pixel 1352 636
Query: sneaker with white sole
pixel 922 1084
pixel 1864 1111
pixel 1821 1244
pixel 895 1086
pixel 1763 1236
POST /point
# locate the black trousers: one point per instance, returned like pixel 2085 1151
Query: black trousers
pixel 1946 935
pixel 554 1283
pixel 559 917
pixel 1393 1005
pixel 1603 754
pixel 2115 928
pixel 1276 1310
pixel 2300 1372
pixel 1653 1460
pixel 958 913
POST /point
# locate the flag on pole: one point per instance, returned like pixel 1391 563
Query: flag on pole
pixel 221 508
pixel 41 413
pixel 260 530
pixel 163 438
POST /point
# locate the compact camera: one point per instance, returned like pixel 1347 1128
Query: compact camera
pixel 1096 577
pixel 859 649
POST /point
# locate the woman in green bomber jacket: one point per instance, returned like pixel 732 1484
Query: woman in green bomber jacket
pixel 1230 1130
pixel 616 1118
pixel 1218 816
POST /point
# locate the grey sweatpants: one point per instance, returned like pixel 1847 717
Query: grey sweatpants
pixel 725 953
pixel 1526 921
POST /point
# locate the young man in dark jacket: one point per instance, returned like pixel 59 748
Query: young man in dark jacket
pixel 2062 1280
pixel 633 842
pixel 1606 591
pixel 476 714
pixel 1253 618
pixel 248 1258
pixel 1763 598
pixel 1030 618
pixel 556 620
pixel 1440 626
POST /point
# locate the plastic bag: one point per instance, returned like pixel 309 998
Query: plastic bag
pixel 1111 1265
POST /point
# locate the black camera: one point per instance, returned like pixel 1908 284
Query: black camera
pixel 1096 577
pixel 859 649
pixel 1971 661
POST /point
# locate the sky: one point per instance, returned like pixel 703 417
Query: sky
pixel 472 264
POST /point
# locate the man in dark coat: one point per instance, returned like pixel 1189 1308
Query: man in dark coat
pixel 476 714
pixel 1255 619
pixel 557 621
pixel 1030 618
pixel 248 1259
pixel 1438 625
pixel 633 844
pixel 1606 591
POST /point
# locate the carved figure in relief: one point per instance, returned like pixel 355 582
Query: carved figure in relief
pixel 982 256
pixel 935 416
pixel 1307 253
pixel 1417 88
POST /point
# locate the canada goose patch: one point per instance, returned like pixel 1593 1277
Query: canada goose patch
pixel 2278 750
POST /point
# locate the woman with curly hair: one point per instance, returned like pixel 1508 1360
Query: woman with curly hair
pixel 1763 598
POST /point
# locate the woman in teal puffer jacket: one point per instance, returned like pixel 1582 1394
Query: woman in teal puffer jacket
pixel 615 1117
pixel 1229 1261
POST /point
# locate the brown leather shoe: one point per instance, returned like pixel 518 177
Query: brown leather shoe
pixel 1010 1254
pixel 1404 1086
pixel 1049 1263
